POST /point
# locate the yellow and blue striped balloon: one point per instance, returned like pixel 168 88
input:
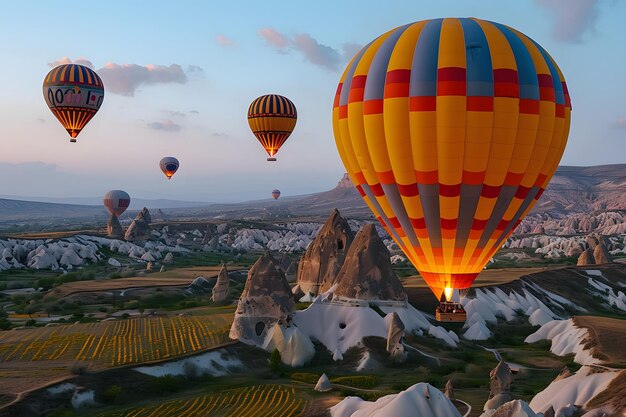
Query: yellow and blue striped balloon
pixel 272 118
pixel 74 93
pixel 451 129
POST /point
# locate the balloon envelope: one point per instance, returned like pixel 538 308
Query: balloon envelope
pixel 275 194
pixel 74 93
pixel 169 165
pixel 116 202
pixel 451 129
pixel 272 118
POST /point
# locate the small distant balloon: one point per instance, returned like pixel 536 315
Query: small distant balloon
pixel 169 165
pixel 272 118
pixel 275 194
pixel 116 202
pixel 74 93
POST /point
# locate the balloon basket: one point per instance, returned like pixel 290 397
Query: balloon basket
pixel 450 311
pixel 271 159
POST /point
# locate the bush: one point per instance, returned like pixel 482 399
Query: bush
pixel 357 381
pixel 110 394
pixel 305 377
pixel 275 361
pixel 165 384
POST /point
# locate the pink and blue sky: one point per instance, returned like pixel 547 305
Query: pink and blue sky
pixel 180 76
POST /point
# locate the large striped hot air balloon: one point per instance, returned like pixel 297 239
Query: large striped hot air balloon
pixel 116 202
pixel 74 93
pixel 275 194
pixel 272 118
pixel 451 129
pixel 169 165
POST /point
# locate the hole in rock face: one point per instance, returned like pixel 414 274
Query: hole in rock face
pixel 339 244
pixel 342 325
pixel 259 327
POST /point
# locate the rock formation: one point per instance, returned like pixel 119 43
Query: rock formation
pixel 565 373
pixel 323 384
pixel 284 263
pixel 500 386
pixel 395 338
pixel 209 233
pixel 449 391
pixel 220 290
pixel 266 299
pixel 601 254
pixel 168 259
pixel 586 258
pixel 114 228
pixel 597 251
pixel 517 408
pixel 366 273
pixel 295 347
pixel 201 285
pixel 325 255
pixel 139 229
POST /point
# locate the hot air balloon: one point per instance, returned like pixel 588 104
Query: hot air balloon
pixel 275 194
pixel 74 93
pixel 451 129
pixel 272 118
pixel 116 202
pixel 169 165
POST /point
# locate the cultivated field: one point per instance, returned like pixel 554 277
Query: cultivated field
pixel 256 401
pixel 176 277
pixel 44 354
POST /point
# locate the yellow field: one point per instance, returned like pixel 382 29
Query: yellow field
pixel 34 357
pixel 117 343
pixel 257 401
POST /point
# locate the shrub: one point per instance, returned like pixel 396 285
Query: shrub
pixel 110 394
pixel 357 381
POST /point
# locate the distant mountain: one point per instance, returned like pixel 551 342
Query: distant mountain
pixel 585 190
pixel 572 190
pixel 18 210
pixel 135 204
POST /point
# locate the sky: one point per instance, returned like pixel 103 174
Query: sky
pixel 179 76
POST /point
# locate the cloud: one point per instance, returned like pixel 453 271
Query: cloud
pixel 126 78
pixel 175 113
pixel 66 60
pixel 219 135
pixel 166 126
pixel 225 41
pixel 40 120
pixel 572 19
pixel 350 49
pixel 620 123
pixel 194 112
pixel 275 39
pixel 314 52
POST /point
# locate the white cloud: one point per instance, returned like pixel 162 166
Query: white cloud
pixel 66 60
pixel 225 41
pixel 572 18
pixel 620 123
pixel 166 126
pixel 314 52
pixel 126 78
